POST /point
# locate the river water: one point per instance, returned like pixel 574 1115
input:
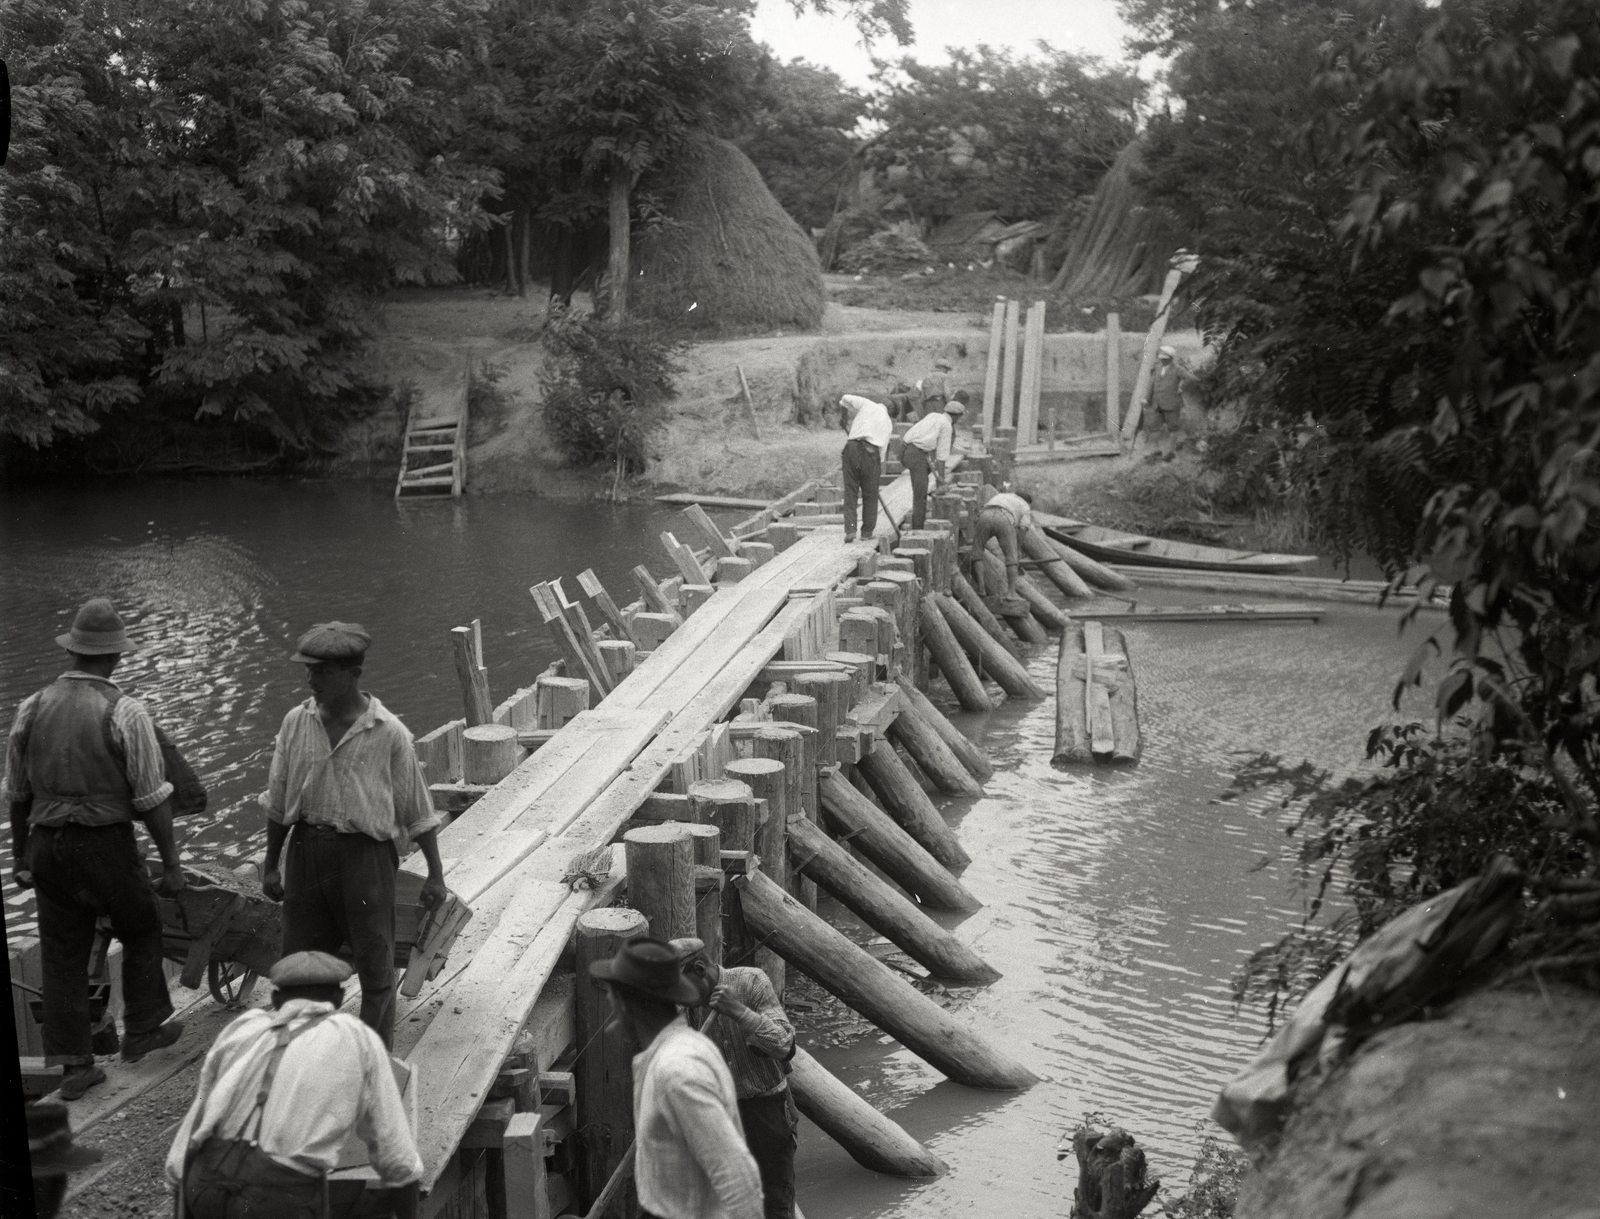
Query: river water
pixel 1117 903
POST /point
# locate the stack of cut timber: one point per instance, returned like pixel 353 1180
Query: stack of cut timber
pixel 1097 706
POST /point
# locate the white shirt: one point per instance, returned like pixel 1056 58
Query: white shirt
pixel 370 783
pixel 1013 506
pixel 691 1161
pixel 871 422
pixel 932 434
pixel 332 1080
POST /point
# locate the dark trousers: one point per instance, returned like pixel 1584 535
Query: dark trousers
pixel 919 464
pixel 772 1132
pixel 81 872
pixel 338 889
pixel 995 523
pixel 861 475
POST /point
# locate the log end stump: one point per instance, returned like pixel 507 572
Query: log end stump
pixel 1112 1182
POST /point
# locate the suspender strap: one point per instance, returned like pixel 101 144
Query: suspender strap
pixel 284 1038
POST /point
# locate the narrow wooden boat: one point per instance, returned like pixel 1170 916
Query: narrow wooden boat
pixel 1209 613
pixel 1097 706
pixel 1135 549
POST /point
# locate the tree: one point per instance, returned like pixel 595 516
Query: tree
pixel 225 186
pixel 799 132
pixel 991 131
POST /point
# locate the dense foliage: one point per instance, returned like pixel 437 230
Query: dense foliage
pixel 196 211
pixel 1398 213
pixel 605 389
pixel 1025 136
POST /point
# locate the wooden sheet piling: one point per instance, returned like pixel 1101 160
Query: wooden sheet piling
pixel 987 654
pixel 847 813
pixel 903 798
pixel 871 988
pixel 604 1065
pixel 872 1140
pixel 474 681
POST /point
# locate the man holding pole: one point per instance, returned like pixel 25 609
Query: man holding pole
pixel 83 764
pixel 690 1158
pixel 862 458
pixel 927 448
pixel 740 1011
pixel 346 781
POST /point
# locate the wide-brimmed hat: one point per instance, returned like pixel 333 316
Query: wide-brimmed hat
pixel 50 1145
pixel 309 968
pixel 97 630
pixel 651 967
pixel 332 641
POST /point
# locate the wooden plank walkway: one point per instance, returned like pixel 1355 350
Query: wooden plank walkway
pixel 508 855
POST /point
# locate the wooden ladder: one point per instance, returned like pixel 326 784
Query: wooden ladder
pixel 439 450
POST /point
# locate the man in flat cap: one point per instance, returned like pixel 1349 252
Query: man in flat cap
pixel 347 793
pixel 927 451
pixel 83 764
pixel 741 1012
pixel 690 1158
pixel 279 1093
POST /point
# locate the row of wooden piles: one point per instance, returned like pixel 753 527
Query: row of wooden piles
pixel 826 774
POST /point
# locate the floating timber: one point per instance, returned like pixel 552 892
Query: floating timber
pixel 1097 706
pixel 1211 613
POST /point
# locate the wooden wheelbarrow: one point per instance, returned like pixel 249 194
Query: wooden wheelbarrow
pixel 224 929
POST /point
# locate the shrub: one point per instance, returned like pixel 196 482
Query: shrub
pixel 605 391
pixel 889 250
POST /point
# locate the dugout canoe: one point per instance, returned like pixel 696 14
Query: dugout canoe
pixel 1137 549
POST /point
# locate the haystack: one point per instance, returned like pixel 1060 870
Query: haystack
pixel 728 260
pixel 1120 247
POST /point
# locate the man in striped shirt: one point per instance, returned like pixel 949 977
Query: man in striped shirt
pixel 346 780
pixel 743 1015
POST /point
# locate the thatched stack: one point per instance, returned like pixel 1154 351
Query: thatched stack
pixel 1120 247
pixel 728 260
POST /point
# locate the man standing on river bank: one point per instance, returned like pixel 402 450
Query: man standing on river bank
pixel 83 764
pixel 345 779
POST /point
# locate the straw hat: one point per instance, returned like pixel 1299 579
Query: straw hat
pixel 97 630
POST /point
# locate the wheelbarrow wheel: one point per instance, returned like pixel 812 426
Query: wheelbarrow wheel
pixel 230 982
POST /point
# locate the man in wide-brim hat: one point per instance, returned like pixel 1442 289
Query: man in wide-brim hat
pixel 83 765
pixel 347 795
pixel 690 1160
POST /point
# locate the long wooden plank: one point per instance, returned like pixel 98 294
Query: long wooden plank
pixel 1008 373
pixel 777 508
pixel 710 501
pixel 1032 356
pixel 1147 360
pixel 991 374
pixel 463 1047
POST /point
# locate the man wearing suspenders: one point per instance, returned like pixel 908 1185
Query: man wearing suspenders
pixel 279 1092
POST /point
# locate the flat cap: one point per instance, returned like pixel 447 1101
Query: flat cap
pixel 309 969
pixel 332 641
pixel 687 946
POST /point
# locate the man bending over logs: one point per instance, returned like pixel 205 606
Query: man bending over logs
pixel 83 764
pixel 346 780
pixel 279 1093
pixel 690 1158
pixel 1004 517
pixel 740 1011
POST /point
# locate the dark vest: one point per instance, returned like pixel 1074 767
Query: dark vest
pixel 74 774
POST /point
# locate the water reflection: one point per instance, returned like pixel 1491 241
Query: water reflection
pixel 1117 905
pixel 217 579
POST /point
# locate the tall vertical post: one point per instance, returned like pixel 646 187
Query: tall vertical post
pixel 1113 372
pixel 991 374
pixel 604 1066
pixel 661 878
pixel 1008 372
pixel 767 781
pixel 708 886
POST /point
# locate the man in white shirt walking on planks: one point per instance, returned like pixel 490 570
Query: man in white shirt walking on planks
pixel 690 1160
pixel 345 779
pixel 741 1012
pixel 927 450
pixel 862 458
pixel 1003 518
pixel 279 1093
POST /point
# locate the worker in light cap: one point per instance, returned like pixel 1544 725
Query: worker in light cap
pixel 927 451
pixel 279 1094
pixel 1166 398
pixel 347 793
